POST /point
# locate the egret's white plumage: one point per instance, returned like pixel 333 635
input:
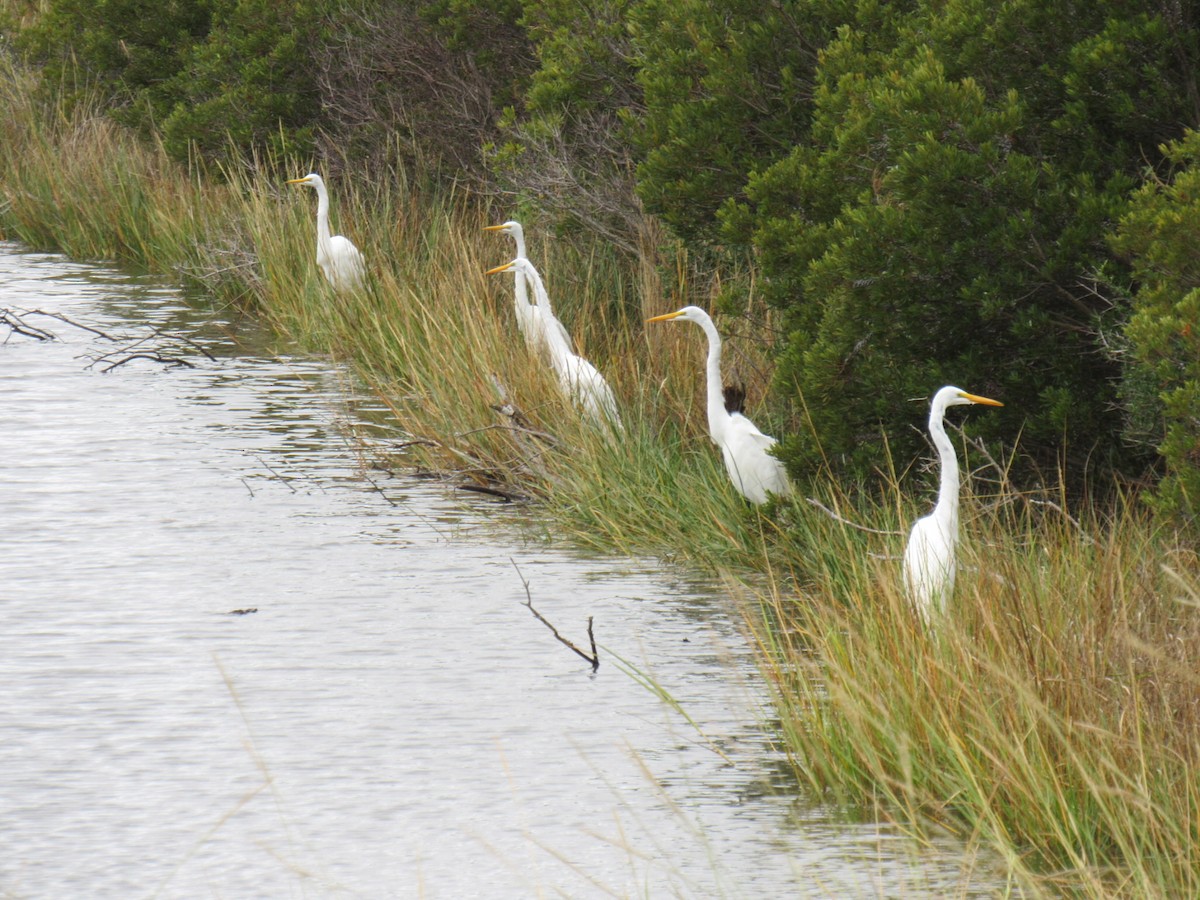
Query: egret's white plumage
pixel 338 258
pixel 746 450
pixel 532 319
pixel 579 380
pixel 929 558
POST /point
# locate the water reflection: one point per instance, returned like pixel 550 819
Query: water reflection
pixel 390 721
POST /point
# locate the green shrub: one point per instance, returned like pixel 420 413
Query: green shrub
pixel 251 84
pixel 1160 235
pixel 130 50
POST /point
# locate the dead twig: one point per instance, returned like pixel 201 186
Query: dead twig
pixel 171 362
pixel 812 501
pixel 69 321
pixel 508 496
pixel 516 429
pixel 159 354
pixel 594 659
pixel 1066 515
pixel 17 325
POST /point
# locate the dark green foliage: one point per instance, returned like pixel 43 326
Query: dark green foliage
pixel 948 260
pixel 251 85
pixel 212 75
pixel 1161 233
pixel 131 49
pixel 943 220
pixel 728 89
pixel 566 153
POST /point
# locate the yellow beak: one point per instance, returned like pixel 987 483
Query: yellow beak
pixel 503 268
pixel 493 227
pixel 666 316
pixel 975 398
pixel 296 181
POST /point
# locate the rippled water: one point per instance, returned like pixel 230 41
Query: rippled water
pixel 390 721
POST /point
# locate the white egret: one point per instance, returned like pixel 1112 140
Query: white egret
pixel 746 450
pixel 532 320
pixel 929 563
pixel 578 379
pixel 338 258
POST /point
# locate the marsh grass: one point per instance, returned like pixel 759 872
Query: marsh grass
pixel 1052 716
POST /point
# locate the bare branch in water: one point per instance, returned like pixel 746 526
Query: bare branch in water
pixel 594 659
pixel 17 325
pixel 69 321
pixel 508 496
pixel 171 362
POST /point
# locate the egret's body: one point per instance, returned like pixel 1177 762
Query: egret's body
pixel 578 379
pixel 338 258
pixel 929 558
pixel 746 450
pixel 532 319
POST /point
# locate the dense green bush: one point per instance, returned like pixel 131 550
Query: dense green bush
pixel 1161 233
pixel 206 75
pixel 941 218
pixel 913 245
pixel 251 84
pixel 728 89
pixel 926 188
pixel 132 50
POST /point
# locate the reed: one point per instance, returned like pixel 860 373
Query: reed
pixel 1052 716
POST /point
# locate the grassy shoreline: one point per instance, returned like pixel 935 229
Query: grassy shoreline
pixel 1054 718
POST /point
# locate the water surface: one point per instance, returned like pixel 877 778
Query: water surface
pixel 389 720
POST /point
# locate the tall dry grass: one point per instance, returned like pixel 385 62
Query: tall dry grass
pixel 1053 714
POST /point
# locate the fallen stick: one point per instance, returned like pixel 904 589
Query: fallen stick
pixel 594 659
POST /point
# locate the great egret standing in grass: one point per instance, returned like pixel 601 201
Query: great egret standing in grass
pixel 338 258
pixel 746 450
pixel 929 563
pixel 578 378
pixel 532 320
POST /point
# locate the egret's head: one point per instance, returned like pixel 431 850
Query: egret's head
pixel 519 264
pixel 953 396
pixel 687 314
pixel 509 227
pixel 312 179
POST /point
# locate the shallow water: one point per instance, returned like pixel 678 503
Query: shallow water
pixel 390 720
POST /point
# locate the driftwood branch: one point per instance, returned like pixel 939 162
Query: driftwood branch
pixel 142 349
pixel 69 321
pixel 507 496
pixel 17 325
pixel 593 659
pixel 1066 515
pixel 112 361
pixel 16 322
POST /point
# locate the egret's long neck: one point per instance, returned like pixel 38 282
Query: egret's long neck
pixel 520 291
pixel 540 295
pixel 323 240
pixel 557 345
pixel 946 510
pixel 716 394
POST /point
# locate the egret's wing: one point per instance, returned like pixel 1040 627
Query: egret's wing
pixel 589 389
pixel 751 466
pixel 347 261
pixel 550 321
pixel 748 431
